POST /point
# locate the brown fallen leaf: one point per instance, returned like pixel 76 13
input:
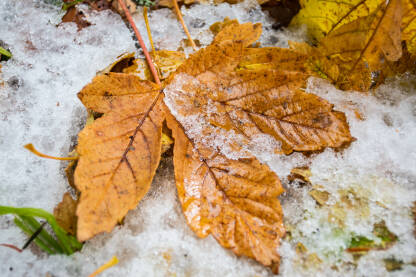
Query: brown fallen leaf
pixel 76 16
pixel 119 152
pixel 234 200
pixel 64 213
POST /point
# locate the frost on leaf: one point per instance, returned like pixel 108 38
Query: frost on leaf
pixel 256 91
pixel 234 200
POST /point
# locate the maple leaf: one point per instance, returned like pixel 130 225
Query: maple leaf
pixel 254 91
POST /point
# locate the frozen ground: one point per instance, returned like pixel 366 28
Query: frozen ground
pixel 38 104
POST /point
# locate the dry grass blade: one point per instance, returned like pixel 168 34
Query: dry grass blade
pixel 179 14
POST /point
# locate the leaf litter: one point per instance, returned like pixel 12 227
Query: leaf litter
pixel 317 156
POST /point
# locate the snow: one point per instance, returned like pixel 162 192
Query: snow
pixel 38 104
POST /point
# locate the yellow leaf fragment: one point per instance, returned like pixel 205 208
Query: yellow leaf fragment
pixel 323 16
pixel 409 25
pixel 112 262
pixel 320 196
pixel 119 154
pixel 167 61
pixel 301 173
pixel 233 200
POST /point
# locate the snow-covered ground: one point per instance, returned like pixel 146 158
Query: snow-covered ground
pixel 38 104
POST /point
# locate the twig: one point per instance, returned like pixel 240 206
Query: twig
pixel 178 13
pixel 149 34
pixel 139 38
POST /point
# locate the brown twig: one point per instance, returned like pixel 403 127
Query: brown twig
pixel 178 13
pixel 139 38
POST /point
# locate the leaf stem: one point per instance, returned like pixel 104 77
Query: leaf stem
pixel 139 38
pixel 179 14
pixel 32 149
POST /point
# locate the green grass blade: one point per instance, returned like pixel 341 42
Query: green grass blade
pixel 43 235
pixel 68 243
pixel 29 232
pixel 6 53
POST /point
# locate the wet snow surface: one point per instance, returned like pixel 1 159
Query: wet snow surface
pixel 38 104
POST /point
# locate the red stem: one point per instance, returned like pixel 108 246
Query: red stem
pixel 139 38
pixel 11 246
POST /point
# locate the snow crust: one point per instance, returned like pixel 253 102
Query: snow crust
pixel 38 104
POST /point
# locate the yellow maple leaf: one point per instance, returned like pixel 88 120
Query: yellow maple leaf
pixel 351 53
pixel 324 16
